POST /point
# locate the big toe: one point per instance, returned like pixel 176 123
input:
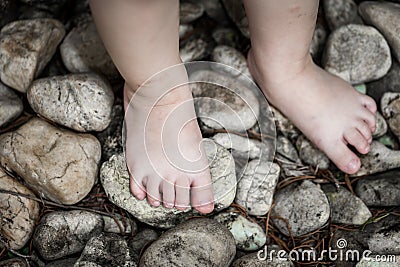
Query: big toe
pixel 343 158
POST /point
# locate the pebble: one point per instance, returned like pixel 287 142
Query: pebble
pixel 256 186
pixel 26 46
pixel 106 250
pixel 53 6
pixel 284 125
pixel 340 13
pixel 311 155
pixel 214 10
pixel 389 83
pixel 15 262
pixel 82 102
pixel 248 235
pixel 115 180
pixel 236 12
pixel 189 12
pixel 381 126
pixel 180 246
pixel 233 58
pixel 379 159
pixel 346 208
pixel 10 105
pixel 253 260
pixel 380 189
pixel 239 145
pixel 83 51
pixel 18 214
pixel 56 163
pixel 385 16
pixel 390 106
pixel 304 206
pixel 194 49
pixel 63 233
pixel 222 102
pixel 357 54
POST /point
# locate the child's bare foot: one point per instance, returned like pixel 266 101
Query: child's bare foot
pixel 325 108
pixel 164 153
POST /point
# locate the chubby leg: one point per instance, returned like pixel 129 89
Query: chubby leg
pixel 325 108
pixel 163 137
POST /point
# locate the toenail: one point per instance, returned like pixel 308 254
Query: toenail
pixel 353 165
pixel 156 203
pixel 168 205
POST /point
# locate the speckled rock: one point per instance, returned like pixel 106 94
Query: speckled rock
pixel 357 54
pixel 18 214
pixel 190 11
pixel 385 16
pixel 106 250
pixel 381 126
pixel 194 49
pixel 256 186
pixel 82 102
pixel 83 51
pixel 62 233
pixel 256 259
pixel 10 105
pixel 236 12
pixel 231 106
pixel 390 105
pixel 380 189
pixel 311 155
pixel 233 58
pixel 379 159
pixel 115 180
pixel 58 164
pixel 15 262
pixel 26 46
pixel 304 206
pixel 239 145
pixel 180 246
pixel 248 235
pixel 339 13
pixel 214 10
pixel 346 208
pixel 318 40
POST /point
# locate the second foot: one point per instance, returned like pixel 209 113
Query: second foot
pixel 329 111
pixel 165 157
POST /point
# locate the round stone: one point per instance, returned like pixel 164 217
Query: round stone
pixel 82 102
pixel 180 246
pixel 357 54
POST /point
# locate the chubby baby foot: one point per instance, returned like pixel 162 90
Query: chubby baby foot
pixel 329 111
pixel 165 157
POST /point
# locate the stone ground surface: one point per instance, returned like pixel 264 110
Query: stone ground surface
pixel 64 185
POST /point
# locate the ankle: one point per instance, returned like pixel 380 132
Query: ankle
pixel 268 70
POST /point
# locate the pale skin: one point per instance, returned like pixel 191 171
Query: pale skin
pixel 142 39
